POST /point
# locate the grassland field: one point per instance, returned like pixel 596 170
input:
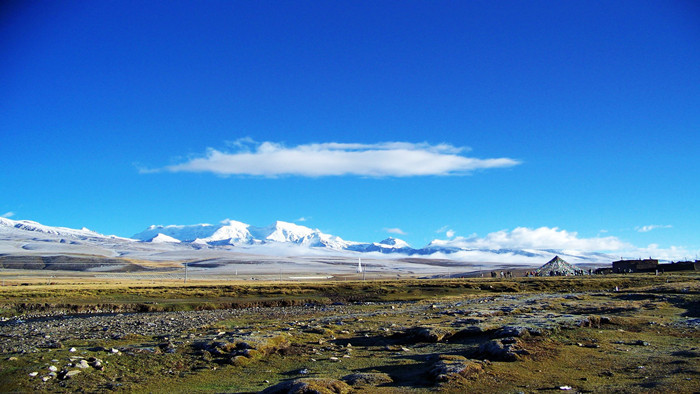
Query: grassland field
pixel 617 333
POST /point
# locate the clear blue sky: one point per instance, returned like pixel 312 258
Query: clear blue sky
pixel 112 113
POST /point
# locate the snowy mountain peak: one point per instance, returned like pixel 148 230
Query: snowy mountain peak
pixel 234 223
pixel 183 233
pixel 395 243
pixel 284 232
pixel 162 238
pixel 28 225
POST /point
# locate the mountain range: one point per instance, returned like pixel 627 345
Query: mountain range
pixel 193 241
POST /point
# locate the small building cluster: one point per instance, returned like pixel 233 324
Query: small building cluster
pixel 652 265
pixel 558 267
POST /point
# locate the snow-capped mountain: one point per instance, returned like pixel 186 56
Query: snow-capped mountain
pixel 283 232
pixel 389 245
pixel 232 232
pixel 394 243
pixel 28 225
pixel 162 238
pixel 177 241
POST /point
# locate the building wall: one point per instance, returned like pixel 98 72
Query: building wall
pixel 635 265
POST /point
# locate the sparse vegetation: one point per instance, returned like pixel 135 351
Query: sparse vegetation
pixel 383 336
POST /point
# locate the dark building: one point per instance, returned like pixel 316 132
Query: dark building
pixel 650 265
pixel 603 271
pixel 681 266
pixel 645 265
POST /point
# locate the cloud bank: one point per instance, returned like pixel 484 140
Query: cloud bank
pixel 555 239
pixel 386 159
pixel 539 238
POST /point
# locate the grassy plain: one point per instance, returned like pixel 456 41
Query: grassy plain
pixel 582 334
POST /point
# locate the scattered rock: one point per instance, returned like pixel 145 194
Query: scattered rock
pixel 451 368
pixel 63 375
pixel 82 364
pixel 308 386
pixel 512 331
pixel 239 360
pixel 425 334
pixel 506 349
pixel 468 332
pixel 96 363
pixel 51 345
pixel 368 379
pixel 595 321
pixel 319 330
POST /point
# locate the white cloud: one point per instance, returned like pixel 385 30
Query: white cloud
pixel 646 229
pixel 395 230
pixel 7 215
pixel 555 239
pixel 386 159
pixel 673 253
pixel 447 230
pixel 303 219
pixel 539 238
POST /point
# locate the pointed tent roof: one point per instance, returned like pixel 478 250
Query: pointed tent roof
pixel 557 264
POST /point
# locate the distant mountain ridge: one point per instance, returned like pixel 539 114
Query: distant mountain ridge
pixel 235 235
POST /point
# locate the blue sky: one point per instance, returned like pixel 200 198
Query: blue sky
pixel 420 120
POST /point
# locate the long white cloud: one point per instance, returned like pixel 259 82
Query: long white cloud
pixel 386 159
pixel 538 238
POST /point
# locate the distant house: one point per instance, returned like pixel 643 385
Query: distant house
pixel 681 266
pixel 645 265
pixel 652 265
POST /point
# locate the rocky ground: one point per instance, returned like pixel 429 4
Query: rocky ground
pixel 628 341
